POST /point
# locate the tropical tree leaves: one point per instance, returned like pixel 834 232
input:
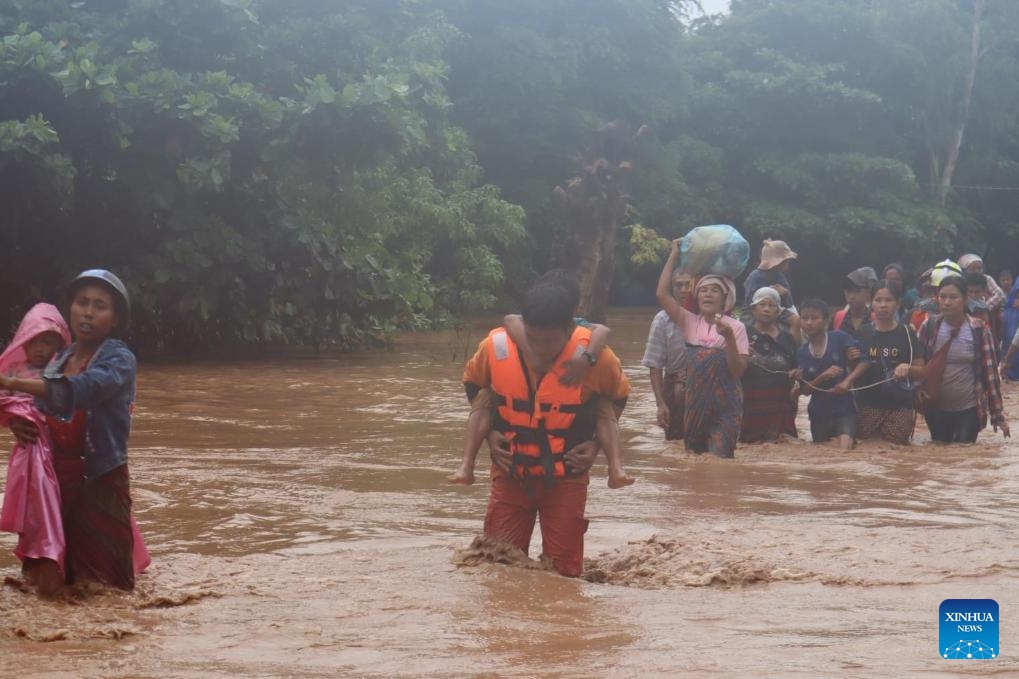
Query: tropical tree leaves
pixel 250 191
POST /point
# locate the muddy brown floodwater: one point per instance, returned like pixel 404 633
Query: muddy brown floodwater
pixel 301 526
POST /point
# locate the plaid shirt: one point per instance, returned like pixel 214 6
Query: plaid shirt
pixel 995 295
pixel 989 396
pixel 665 349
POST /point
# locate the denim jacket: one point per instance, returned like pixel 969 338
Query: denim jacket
pixel 105 390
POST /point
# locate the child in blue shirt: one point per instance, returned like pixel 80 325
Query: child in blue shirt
pixel 824 363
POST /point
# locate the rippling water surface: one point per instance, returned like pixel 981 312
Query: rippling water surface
pixel 300 525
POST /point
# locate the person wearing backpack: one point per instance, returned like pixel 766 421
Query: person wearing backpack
pixel 858 288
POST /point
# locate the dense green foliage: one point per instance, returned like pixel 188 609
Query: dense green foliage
pixel 256 171
pixel 832 120
pixel 322 172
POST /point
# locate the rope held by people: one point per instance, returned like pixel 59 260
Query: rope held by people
pixel 830 391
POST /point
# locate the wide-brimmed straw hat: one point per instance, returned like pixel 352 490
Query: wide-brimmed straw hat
pixel 774 252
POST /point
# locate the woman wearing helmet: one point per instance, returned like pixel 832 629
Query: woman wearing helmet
pixel 88 392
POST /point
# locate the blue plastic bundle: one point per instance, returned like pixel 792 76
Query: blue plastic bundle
pixel 718 249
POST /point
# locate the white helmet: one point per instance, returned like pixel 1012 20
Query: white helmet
pixel 943 270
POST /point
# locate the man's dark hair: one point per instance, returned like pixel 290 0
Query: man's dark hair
pixel 565 279
pixel 977 280
pixel 548 305
pixel 816 305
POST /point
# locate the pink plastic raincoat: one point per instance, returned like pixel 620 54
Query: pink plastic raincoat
pixel 31 506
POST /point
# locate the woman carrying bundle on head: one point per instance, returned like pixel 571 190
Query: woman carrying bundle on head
pixel 717 351
pixel 896 362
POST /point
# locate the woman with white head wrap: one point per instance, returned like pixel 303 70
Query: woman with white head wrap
pixel 971 263
pixel 769 410
pixel 717 351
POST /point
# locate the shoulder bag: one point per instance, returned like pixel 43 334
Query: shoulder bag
pixel 929 393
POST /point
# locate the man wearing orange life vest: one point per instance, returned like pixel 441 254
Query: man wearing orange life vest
pixel 542 432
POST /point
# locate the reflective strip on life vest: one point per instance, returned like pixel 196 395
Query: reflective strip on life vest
pixel 500 341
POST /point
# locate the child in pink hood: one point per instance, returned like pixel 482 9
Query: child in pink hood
pixel 31 501
pixel 34 506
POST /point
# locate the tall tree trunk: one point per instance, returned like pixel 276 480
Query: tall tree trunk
pixel 595 206
pixel 596 269
pixel 603 282
pixel 591 264
pixel 933 169
pixel 955 143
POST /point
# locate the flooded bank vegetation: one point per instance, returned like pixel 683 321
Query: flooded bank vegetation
pixel 322 173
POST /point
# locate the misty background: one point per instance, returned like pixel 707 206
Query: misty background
pixel 325 173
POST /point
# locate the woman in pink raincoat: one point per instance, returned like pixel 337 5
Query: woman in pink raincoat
pixel 87 394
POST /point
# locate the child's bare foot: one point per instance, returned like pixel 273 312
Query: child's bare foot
pixel 619 479
pixel 47 578
pixel 462 476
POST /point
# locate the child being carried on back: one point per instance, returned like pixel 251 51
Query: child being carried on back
pixel 480 421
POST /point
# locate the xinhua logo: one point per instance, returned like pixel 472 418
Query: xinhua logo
pixel 968 629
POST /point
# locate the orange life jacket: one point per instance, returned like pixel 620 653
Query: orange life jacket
pixel 541 424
